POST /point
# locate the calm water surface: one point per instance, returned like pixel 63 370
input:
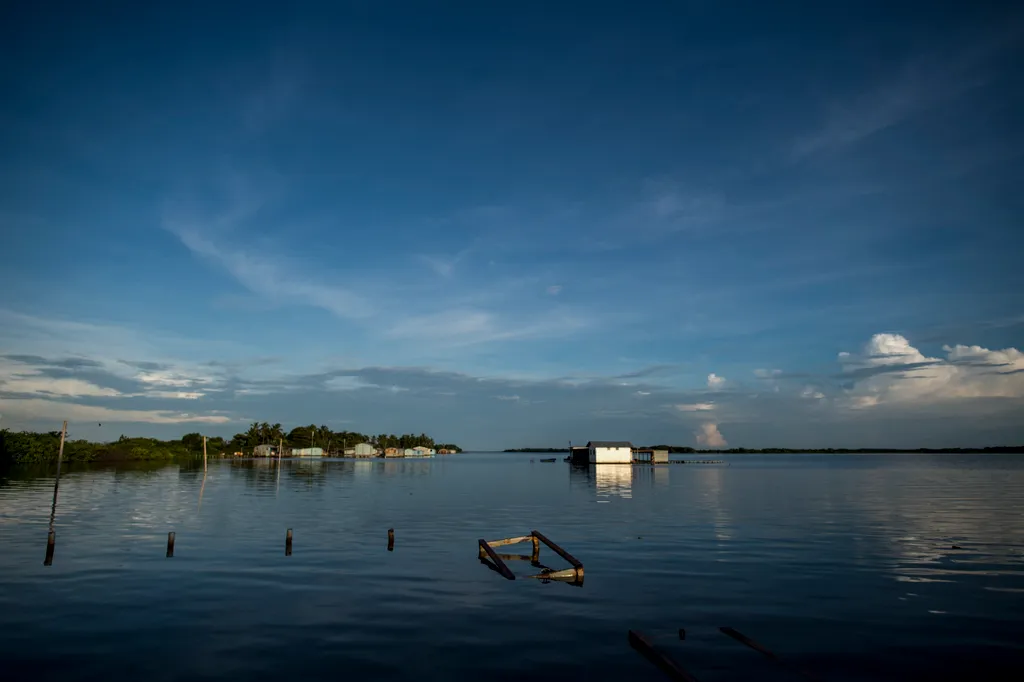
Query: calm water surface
pixel 841 564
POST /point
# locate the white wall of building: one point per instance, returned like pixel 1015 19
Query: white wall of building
pixel 605 455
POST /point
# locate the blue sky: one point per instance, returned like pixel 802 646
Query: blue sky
pixel 765 224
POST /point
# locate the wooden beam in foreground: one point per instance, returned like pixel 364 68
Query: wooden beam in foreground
pixel 576 563
pixel 760 648
pixel 496 560
pixel 664 662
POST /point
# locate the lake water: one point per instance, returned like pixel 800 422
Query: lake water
pixel 842 565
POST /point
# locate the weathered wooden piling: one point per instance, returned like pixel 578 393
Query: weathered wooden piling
pixel 665 663
pixel 51 536
pixel 204 454
pixel 391 539
pixel 288 543
pixel 56 480
pixel 170 544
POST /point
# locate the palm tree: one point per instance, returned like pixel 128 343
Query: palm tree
pixel 252 436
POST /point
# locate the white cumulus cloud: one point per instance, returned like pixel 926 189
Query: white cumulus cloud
pixel 715 381
pixel 709 435
pixel 889 370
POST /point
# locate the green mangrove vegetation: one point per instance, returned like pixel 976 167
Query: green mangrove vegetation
pixel 27 446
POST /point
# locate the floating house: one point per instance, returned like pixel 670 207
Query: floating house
pixel 422 451
pixel 364 450
pixel 610 452
pixel 307 452
pixel 265 450
pixel 650 456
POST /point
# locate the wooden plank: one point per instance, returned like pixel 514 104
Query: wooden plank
pixel 664 662
pixel 499 564
pixel 509 541
pixel 558 550
pixel 516 557
pixel 760 648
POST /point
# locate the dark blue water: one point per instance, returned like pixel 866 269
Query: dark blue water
pixel 840 564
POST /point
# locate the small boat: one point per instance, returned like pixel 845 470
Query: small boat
pixel 549 459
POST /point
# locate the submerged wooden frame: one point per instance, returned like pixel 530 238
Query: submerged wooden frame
pixel 496 561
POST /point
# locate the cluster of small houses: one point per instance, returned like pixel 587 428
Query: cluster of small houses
pixel 359 450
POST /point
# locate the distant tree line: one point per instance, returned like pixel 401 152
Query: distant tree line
pixel 27 446
pixel 314 436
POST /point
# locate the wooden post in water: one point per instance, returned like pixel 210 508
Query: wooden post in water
pixel 391 539
pixel 51 537
pixel 50 541
pixel 204 454
pixel 170 544
pixel 665 663
pixel 288 543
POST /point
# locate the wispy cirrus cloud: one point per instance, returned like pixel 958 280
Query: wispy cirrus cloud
pixel 472 326
pixel 923 82
pixel 272 278
pixel 37 409
pixel 695 407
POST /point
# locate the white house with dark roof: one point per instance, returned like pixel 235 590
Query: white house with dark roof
pixel 610 452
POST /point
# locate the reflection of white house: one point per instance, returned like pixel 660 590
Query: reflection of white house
pixel 614 481
pixel 362 468
pixel 610 452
